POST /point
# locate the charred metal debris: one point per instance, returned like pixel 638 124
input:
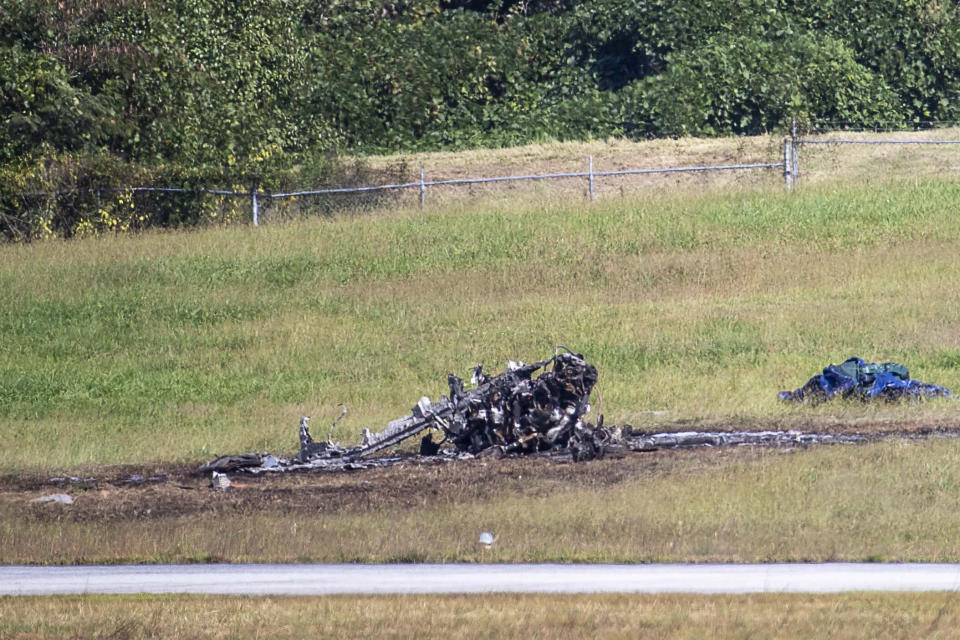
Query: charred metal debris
pixel 510 413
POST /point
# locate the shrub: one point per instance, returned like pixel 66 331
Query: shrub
pixel 743 84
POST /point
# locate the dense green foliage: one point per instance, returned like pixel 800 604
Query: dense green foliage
pixel 226 82
pixel 251 87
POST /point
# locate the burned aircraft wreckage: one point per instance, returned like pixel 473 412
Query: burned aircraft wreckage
pixel 512 413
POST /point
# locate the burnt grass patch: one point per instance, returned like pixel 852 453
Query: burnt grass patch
pixel 106 495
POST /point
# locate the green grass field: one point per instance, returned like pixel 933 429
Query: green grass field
pixel 177 346
pixel 696 306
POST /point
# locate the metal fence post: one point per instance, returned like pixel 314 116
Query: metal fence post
pixel 795 152
pixel 591 178
pixel 796 162
pixel 256 206
pixel 423 189
pixel 787 164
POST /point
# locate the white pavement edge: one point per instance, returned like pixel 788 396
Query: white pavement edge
pixel 325 579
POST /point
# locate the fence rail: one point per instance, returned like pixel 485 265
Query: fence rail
pixel 797 143
pixel 789 164
pixel 840 141
pixel 255 194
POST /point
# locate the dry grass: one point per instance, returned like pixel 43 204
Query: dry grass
pixel 885 502
pixel 819 165
pixel 842 617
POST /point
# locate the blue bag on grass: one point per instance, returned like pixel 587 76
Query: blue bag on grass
pixel 856 378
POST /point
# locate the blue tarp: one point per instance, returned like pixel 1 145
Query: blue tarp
pixel 856 378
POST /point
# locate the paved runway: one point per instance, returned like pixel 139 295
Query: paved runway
pixel 325 579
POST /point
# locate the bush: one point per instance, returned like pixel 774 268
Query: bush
pixel 748 85
pixel 51 194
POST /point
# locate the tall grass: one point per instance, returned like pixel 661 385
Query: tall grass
pixel 174 346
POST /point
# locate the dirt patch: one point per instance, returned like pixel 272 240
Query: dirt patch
pixel 182 492
pixel 128 493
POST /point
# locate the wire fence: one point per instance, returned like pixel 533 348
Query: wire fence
pixel 798 141
pixel 788 163
pixel 591 176
pixel 841 141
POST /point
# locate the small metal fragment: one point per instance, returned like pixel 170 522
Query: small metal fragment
pixel 270 461
pixel 220 481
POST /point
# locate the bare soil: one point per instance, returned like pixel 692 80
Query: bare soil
pixel 124 493
pixel 108 494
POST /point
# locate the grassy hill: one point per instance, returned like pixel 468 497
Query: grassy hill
pixel 696 305
pixel 697 301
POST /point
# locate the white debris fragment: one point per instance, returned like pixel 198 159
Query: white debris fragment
pixel 486 539
pixel 422 409
pixel 60 498
pixel 220 481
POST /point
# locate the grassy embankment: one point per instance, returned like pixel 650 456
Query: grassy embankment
pixel 509 616
pixel 173 347
pixel 181 345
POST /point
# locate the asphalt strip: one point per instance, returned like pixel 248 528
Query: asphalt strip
pixel 328 579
